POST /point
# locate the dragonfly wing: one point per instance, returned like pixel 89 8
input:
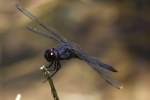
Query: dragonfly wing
pixel 104 69
pixel 51 31
pixel 35 30
pixel 83 56
pixel 106 75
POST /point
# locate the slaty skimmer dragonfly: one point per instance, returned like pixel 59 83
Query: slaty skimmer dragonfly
pixel 68 50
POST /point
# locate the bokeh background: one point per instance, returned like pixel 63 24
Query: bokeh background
pixel 115 31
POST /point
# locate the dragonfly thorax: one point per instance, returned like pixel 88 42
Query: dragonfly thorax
pixel 51 54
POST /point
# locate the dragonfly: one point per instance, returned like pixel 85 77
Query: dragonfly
pixel 67 50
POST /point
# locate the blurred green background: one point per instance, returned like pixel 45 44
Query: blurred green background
pixel 115 31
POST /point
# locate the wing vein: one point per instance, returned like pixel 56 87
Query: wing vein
pixel 55 35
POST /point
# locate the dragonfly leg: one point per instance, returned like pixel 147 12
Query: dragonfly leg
pixel 56 68
pixel 51 66
pixel 58 65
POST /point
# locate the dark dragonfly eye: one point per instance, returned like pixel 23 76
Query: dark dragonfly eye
pixel 50 54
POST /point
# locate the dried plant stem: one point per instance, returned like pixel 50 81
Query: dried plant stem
pixel 48 77
pixel 54 92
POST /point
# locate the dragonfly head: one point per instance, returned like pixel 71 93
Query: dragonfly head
pixel 50 54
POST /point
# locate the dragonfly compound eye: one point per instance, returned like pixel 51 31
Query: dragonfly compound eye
pixel 49 55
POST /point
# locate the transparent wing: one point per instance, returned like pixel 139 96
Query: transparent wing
pixel 51 32
pixel 106 75
pixel 35 30
pixel 104 69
